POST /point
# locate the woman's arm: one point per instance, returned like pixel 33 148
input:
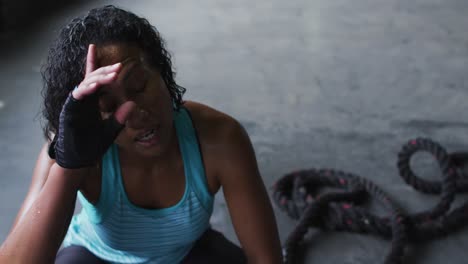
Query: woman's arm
pixel 38 234
pixel 39 178
pixel 42 225
pixel 247 198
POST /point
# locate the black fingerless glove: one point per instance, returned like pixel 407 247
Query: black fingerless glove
pixel 82 137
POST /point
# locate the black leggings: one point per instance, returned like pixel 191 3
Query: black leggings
pixel 212 247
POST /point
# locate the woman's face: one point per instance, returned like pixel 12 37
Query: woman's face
pixel 149 128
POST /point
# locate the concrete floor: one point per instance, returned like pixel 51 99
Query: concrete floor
pixel 316 84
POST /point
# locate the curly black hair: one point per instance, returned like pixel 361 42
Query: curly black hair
pixel 65 65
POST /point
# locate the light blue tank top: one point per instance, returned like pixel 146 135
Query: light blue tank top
pixel 118 231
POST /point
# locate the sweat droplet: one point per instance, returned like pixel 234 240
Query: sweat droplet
pixel 302 190
pixel 283 200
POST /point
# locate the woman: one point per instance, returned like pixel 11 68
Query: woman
pixel 144 163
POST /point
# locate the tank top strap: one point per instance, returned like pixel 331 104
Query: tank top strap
pixel 191 154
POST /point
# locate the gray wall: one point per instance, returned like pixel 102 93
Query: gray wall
pixel 316 83
pixel 18 14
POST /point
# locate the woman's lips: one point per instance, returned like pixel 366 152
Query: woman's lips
pixel 145 134
pixel 149 140
pixel 148 137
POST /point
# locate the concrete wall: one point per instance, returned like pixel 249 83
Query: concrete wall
pixel 19 14
pixel 339 84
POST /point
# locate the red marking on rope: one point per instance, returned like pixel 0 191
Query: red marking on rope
pixel 413 142
pixel 349 222
pixel 283 201
pixel 346 206
pixel 342 181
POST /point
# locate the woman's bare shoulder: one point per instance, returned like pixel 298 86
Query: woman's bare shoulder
pixel 202 110
pixel 216 133
pixel 211 124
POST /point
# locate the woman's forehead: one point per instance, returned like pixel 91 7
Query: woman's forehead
pixel 112 53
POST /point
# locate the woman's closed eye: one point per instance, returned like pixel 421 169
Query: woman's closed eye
pixel 140 88
pixel 137 81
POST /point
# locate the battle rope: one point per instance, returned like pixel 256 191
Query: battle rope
pixel 297 194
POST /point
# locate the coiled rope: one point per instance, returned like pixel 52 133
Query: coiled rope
pixel 297 194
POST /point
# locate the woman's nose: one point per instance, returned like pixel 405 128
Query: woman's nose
pixel 138 118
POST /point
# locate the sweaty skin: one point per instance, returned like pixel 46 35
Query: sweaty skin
pixel 153 173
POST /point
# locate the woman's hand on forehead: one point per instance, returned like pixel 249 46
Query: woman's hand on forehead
pixel 83 136
pixel 96 78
